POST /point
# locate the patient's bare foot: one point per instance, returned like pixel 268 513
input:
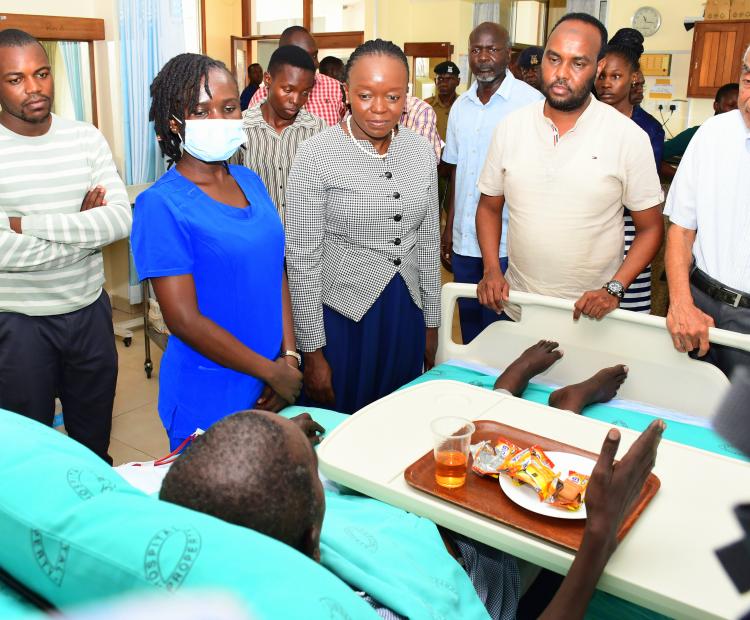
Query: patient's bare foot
pixel 531 362
pixel 600 388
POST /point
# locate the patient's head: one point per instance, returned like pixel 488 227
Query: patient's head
pixel 257 470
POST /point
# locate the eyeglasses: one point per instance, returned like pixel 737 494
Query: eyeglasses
pixel 445 78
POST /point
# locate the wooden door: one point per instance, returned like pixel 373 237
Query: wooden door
pixel 716 56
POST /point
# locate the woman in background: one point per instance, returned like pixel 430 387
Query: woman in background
pixel 211 241
pixel 613 87
pixel 363 247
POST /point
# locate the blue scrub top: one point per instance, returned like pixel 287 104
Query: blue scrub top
pixel 236 258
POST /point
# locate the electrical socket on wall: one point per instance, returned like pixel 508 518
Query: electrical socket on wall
pixel 675 105
pixel 672 107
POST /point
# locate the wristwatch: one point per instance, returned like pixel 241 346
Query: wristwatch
pixel 295 355
pixel 615 288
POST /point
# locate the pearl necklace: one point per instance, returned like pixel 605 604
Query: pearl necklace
pixel 359 146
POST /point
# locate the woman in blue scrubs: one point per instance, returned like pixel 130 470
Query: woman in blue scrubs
pixel 211 241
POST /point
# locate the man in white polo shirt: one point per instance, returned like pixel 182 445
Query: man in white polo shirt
pixel 708 244
pixel 564 168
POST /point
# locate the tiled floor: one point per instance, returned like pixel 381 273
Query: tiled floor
pixel 137 432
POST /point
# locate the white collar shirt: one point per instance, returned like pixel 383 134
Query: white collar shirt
pixel 711 195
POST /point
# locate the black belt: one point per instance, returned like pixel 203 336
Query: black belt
pixel 716 290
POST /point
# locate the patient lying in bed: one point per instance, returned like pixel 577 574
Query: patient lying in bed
pixel 258 470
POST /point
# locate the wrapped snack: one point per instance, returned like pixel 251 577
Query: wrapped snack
pixel 518 460
pixel 535 468
pixel 489 460
pixel 506 449
pixel 484 459
pixel 573 491
pixel 540 454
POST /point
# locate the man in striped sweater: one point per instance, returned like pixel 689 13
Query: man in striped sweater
pixel 61 201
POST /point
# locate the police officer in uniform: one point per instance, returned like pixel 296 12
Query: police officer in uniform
pixel 530 63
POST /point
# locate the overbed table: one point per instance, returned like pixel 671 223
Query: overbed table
pixel 666 562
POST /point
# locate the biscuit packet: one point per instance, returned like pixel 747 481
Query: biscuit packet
pixel 535 468
pixel 491 460
pixel 572 493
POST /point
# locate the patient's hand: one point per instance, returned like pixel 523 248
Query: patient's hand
pixel 309 427
pixel 615 486
pixel 612 489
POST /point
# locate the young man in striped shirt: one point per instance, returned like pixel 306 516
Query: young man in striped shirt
pixel 61 201
pixel 280 124
pixel 326 100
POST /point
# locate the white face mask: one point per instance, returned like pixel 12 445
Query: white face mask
pixel 213 139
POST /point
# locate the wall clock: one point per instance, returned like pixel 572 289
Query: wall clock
pixel 646 20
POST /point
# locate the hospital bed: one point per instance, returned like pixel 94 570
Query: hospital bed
pixel 658 374
pixel 667 562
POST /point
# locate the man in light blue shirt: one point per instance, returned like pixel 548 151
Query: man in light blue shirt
pixel 473 117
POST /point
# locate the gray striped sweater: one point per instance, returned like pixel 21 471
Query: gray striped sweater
pixel 56 266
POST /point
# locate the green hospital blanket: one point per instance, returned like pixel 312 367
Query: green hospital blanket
pixel 396 557
pixel 12 607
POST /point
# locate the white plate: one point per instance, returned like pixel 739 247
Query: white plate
pixel 527 498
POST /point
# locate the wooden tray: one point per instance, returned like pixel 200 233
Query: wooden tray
pixel 483 495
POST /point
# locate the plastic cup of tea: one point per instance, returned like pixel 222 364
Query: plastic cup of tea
pixel 451 436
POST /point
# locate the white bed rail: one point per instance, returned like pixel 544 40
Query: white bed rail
pixel 659 374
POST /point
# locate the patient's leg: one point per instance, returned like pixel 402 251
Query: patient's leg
pixel 600 388
pixel 530 363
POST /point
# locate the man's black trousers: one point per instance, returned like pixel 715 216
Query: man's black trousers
pixel 71 356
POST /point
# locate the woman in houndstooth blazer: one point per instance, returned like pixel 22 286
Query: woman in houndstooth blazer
pixel 363 248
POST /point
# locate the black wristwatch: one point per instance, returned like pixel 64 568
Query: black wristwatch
pixel 615 288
